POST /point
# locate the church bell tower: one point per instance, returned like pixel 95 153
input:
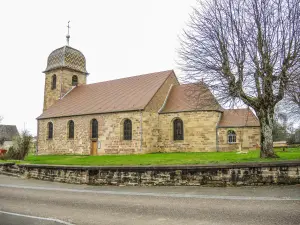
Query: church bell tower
pixel 66 69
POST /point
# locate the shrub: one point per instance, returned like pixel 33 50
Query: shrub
pixel 20 148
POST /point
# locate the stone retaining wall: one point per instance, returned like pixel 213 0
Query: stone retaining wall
pixel 195 175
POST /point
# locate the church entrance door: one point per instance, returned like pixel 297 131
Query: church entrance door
pixel 94 148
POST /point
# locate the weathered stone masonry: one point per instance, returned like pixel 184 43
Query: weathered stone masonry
pixel 210 175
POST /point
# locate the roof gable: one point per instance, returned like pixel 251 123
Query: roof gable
pixel 238 118
pixel 191 97
pixel 8 132
pixel 126 94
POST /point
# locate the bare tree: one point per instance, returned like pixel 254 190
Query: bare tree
pixel 245 50
pixel 1 118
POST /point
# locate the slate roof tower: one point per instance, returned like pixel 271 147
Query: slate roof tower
pixel 66 68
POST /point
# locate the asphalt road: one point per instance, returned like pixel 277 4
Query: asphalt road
pixel 31 202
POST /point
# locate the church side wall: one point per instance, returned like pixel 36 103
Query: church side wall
pixel 199 132
pixel 110 131
pixel 246 138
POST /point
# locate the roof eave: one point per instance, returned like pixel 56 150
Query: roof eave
pixel 88 114
pixel 196 110
pixel 63 67
pixel 235 126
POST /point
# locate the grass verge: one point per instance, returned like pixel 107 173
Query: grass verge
pixel 160 158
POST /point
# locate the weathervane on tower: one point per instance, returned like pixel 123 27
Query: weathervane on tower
pixel 68 35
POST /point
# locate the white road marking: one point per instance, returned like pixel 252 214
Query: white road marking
pixel 37 217
pixel 151 194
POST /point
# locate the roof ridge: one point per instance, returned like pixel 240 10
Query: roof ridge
pixel 140 75
pixel 237 108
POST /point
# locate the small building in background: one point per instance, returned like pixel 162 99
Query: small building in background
pixel 7 134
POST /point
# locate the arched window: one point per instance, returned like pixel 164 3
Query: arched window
pixel 50 130
pixel 53 84
pixel 94 128
pixel 178 129
pixel 231 136
pixel 71 129
pixel 74 80
pixel 127 130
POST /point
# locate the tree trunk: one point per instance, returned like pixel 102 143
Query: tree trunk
pixel 266 142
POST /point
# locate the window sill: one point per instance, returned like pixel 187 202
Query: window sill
pixel 94 139
pixel 178 141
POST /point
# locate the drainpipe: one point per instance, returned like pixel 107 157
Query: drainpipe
pixel 217 133
pixel 141 130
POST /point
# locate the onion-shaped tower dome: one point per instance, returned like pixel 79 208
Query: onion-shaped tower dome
pixel 66 57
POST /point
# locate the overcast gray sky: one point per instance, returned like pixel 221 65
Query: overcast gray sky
pixel 118 38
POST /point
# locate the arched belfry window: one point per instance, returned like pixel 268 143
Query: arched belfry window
pixel 178 129
pixel 231 136
pixel 127 129
pixel 74 80
pixel 94 128
pixel 53 83
pixel 71 128
pixel 50 130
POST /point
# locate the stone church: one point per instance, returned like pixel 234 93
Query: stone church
pixel 140 114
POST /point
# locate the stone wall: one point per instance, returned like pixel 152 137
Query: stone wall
pixel 199 131
pixel 246 138
pixel 110 138
pixel 63 85
pixel 210 175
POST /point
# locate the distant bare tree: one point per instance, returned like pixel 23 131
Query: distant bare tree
pixel 244 50
pixel 291 103
pixel 1 118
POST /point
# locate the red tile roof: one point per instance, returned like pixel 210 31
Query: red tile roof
pixel 191 97
pixel 238 118
pixel 126 94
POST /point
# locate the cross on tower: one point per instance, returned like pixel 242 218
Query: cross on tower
pixel 68 35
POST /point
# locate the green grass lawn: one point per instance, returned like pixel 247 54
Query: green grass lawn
pixel 160 158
